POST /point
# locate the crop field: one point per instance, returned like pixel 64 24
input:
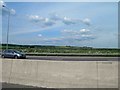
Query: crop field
pixel 62 50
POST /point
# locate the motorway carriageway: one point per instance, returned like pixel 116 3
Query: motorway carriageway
pixel 72 58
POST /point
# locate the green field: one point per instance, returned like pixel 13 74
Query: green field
pixel 62 50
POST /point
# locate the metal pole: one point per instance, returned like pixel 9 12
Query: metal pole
pixel 8 28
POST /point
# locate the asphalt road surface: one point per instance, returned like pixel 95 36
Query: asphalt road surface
pixel 7 86
pixel 71 58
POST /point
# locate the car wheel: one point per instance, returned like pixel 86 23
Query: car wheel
pixel 16 57
pixel 3 56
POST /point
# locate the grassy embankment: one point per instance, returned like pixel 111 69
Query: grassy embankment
pixel 63 50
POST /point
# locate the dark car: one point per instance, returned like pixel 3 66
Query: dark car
pixel 12 54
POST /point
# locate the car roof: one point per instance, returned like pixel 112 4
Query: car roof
pixel 10 50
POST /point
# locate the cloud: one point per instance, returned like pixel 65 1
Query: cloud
pixel 68 21
pixel 71 21
pixel 5 10
pixel 53 18
pixel 53 39
pixel 68 36
pixel 79 35
pixel 68 31
pixel 88 37
pixel 12 11
pixel 84 31
pixel 65 39
pixel 43 22
pixel 39 35
pixel 36 18
pixel 86 21
pixel 81 31
pixel 48 22
pixel 82 37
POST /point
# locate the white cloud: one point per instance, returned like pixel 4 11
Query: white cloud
pixel 65 40
pixel 68 21
pixel 12 11
pixel 86 35
pixel 39 35
pixel 77 35
pixel 48 22
pixel 43 22
pixel 86 21
pixel 54 18
pixel 68 31
pixel 36 18
pixel 82 31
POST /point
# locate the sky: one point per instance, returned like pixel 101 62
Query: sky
pixel 93 24
pixel 61 0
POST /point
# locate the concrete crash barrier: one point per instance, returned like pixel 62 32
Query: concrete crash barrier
pixel 61 74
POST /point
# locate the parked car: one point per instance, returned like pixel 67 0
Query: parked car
pixel 12 54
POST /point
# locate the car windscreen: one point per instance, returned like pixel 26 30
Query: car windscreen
pixel 17 52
